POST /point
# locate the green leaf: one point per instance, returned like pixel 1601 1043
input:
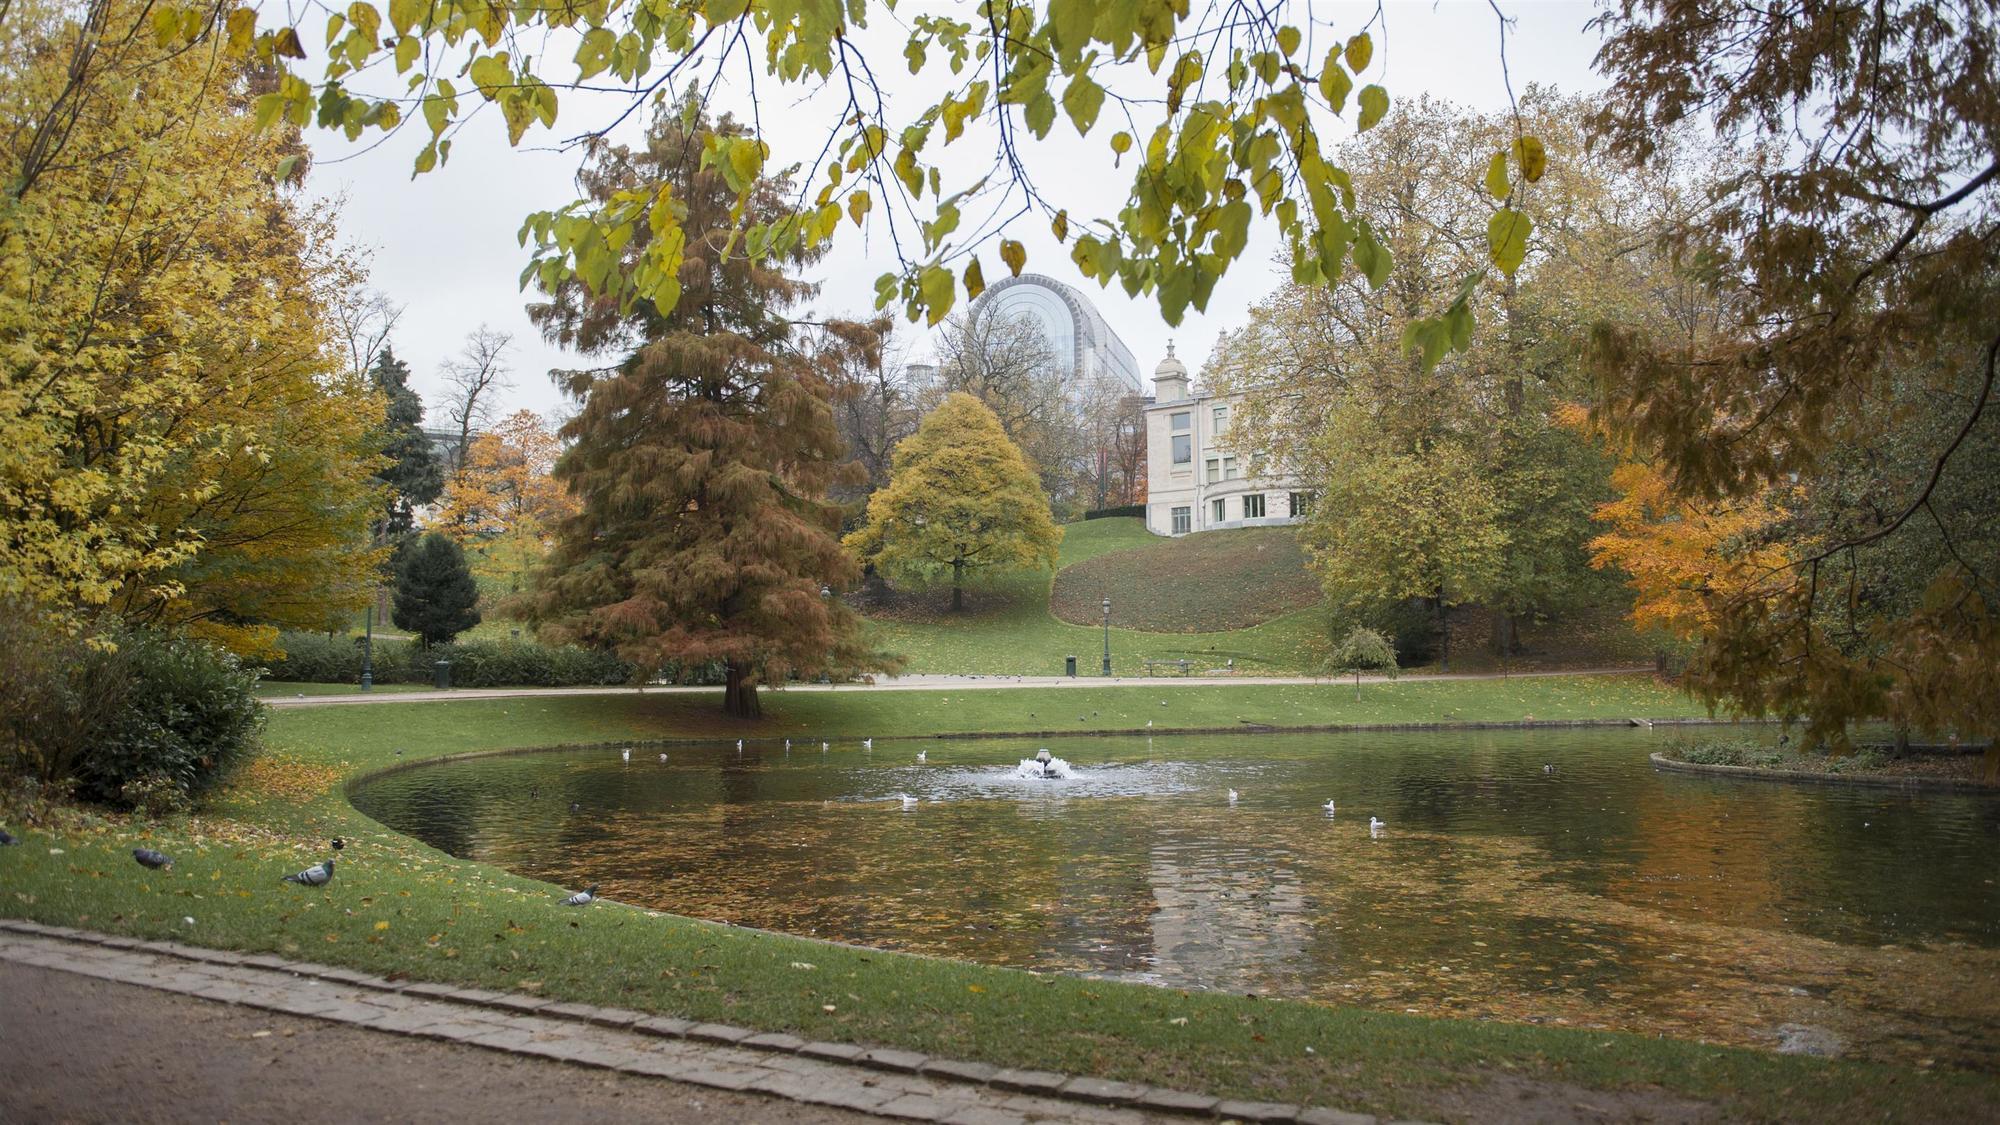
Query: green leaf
pixel 975 280
pixel 269 106
pixel 1507 232
pixel 1039 113
pixel 1374 106
pixel 1371 257
pixel 1496 176
pixel 593 55
pixel 1360 49
pixel 1288 41
pixel 938 290
pixel 1121 142
pixel 404 14
pixel 858 204
pixel 286 44
pixel 1081 100
pixel 406 52
pixel 1334 84
pixel 1059 226
pixel 1072 20
pixel 1534 159
pixel 287 166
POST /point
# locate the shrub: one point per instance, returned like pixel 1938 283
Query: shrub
pixel 312 658
pixel 1138 510
pixel 132 717
pixel 436 597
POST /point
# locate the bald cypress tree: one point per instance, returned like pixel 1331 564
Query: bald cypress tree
pixel 701 456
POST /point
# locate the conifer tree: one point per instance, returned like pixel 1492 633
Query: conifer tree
pixel 701 458
pixel 961 499
pixel 413 473
pixel 435 593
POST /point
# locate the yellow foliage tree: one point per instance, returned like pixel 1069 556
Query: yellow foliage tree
pixel 176 444
pixel 504 503
pixel 960 499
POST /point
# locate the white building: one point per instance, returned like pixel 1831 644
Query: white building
pixel 1194 480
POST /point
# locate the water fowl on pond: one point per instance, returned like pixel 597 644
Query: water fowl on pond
pixel 1607 895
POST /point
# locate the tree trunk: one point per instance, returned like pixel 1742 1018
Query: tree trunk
pixel 1444 634
pixel 1506 638
pixel 739 694
pixel 957 585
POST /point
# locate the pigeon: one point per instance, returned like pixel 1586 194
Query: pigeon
pixel 575 806
pixel 339 844
pixel 318 875
pixel 147 857
pixel 1232 796
pixel 1548 767
pixel 921 754
pixel 909 802
pixel 1375 826
pixel 582 898
pixel 7 838
pixel 626 753
pixel 1328 807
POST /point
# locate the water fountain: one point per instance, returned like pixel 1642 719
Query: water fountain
pixel 1044 767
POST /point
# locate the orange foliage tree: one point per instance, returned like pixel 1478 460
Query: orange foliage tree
pixel 504 503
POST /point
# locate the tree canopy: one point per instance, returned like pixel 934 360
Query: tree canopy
pixel 700 460
pixel 960 500
pixel 436 597
pixel 413 475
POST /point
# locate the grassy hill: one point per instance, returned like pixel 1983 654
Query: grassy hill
pixel 1008 629
pixel 1215 581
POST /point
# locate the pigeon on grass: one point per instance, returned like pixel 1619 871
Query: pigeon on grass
pixel 318 875
pixel 582 898
pixel 147 857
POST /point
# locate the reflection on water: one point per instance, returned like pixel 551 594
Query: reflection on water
pixel 1602 895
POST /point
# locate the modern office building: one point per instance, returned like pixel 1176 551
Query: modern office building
pixel 1195 481
pixel 1070 323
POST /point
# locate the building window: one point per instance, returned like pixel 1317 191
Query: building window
pixel 1183 440
pixel 1214 470
pixel 1253 506
pixel 1220 507
pixel 1229 470
pixel 1221 418
pixel 1302 503
pixel 1183 520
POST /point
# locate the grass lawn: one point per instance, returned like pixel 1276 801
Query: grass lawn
pixel 1214 581
pixel 270 689
pixel 397 906
pixel 1008 629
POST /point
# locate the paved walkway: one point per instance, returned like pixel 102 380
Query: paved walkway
pixel 883 1082
pixel 917 683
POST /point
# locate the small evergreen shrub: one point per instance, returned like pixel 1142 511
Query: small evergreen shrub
pixel 313 659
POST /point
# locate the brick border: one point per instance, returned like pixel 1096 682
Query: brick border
pixel 1082 1093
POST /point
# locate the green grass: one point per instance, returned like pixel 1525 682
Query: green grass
pixel 1215 581
pixel 397 906
pixel 1008 629
pixel 277 689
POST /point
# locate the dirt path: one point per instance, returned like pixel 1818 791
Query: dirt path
pixel 78 1049
pixel 918 683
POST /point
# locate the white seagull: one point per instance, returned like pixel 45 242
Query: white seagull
pixel 868 744
pixel 1328 807
pixel 920 754
pixel 626 753
pixel 788 744
pixel 663 757
pixel 1375 826
pixel 822 747
pixel 1232 796
pixel 909 802
pixel 739 746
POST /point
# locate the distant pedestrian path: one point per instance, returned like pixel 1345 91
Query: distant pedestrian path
pixel 919 683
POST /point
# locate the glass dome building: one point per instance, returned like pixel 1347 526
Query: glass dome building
pixel 1069 322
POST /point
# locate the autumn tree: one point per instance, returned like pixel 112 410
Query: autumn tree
pixel 960 501
pixel 413 477
pixel 436 597
pixel 181 441
pixel 701 456
pixel 475 376
pixel 1333 392
pixel 1009 364
pixel 505 502
pixel 875 404
pixel 1856 256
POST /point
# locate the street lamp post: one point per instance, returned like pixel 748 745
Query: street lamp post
pixel 826 595
pixel 1107 636
pixel 368 651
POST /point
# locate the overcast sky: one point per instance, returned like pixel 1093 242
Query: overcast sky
pixel 444 245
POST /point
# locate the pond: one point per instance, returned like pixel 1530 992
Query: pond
pixel 1598 893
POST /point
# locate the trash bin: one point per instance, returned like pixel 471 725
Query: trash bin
pixel 1069 665
pixel 443 670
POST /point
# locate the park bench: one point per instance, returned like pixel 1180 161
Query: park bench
pixel 1185 667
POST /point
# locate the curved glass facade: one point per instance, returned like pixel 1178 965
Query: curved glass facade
pixel 1071 324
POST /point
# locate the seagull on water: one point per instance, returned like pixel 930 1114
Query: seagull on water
pixel 909 802
pixel 1232 796
pixel 920 754
pixel 663 757
pixel 582 898
pixel 318 875
pixel 1375 826
pixel 1548 767
pixel 147 857
pixel 788 744
pixel 626 753
pixel 868 744
pixel 1328 806
pixel 822 747
pixel 739 746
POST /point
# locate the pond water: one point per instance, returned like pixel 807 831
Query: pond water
pixel 1602 894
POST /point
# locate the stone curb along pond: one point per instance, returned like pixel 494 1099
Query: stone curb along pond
pixel 1812 777
pixel 1546 874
